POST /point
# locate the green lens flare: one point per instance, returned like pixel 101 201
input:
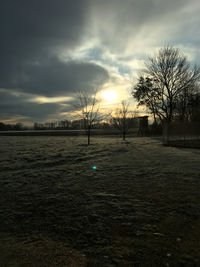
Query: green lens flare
pixel 94 167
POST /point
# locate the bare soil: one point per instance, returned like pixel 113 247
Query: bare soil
pixel 139 207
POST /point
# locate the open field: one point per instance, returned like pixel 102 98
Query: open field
pixel 59 132
pixel 140 207
pixel 133 132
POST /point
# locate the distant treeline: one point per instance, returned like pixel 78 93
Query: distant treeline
pixel 63 125
pixel 80 125
pixel 12 127
pixel 139 125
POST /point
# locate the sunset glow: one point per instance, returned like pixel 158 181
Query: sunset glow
pixel 109 96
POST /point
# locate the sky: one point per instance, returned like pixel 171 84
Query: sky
pixel 50 50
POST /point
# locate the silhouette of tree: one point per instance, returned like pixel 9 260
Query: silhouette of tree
pixel 146 95
pixel 89 111
pixel 2 126
pixel 12 127
pixel 167 78
pixel 120 119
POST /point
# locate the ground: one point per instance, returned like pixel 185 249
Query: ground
pixel 139 207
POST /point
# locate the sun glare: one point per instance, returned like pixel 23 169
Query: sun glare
pixel 109 95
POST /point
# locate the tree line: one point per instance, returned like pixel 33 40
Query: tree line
pixel 12 127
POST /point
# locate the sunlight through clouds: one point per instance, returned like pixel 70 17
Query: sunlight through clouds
pixel 110 96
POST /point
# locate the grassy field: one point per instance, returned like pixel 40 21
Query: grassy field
pixel 139 207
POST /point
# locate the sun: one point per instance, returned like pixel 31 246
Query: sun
pixel 109 95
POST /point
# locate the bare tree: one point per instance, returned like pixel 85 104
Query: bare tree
pixel 167 77
pixel 88 109
pixel 120 119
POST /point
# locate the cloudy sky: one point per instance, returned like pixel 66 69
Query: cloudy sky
pixel 51 49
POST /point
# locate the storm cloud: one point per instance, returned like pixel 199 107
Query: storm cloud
pixel 54 78
pixel 32 33
pixel 21 107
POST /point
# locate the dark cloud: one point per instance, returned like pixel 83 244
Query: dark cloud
pixel 31 27
pixel 31 34
pixel 55 78
pixel 19 106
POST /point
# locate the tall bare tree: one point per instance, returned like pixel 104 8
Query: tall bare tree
pixel 167 77
pixel 120 119
pixel 88 108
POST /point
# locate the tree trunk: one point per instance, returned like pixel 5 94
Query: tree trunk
pixel 154 118
pixel 124 127
pixel 124 135
pixel 89 134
